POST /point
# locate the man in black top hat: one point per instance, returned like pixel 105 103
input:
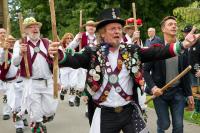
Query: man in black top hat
pixel 114 73
pixel 194 59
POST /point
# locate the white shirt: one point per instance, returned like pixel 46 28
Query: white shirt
pixel 75 43
pixel 129 39
pixel 12 70
pixel 40 67
pixel 126 82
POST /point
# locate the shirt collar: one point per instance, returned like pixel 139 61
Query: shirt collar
pixel 87 34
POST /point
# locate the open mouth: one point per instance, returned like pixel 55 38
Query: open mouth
pixel 116 37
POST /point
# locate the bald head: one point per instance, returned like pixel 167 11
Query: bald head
pixel 2 34
pixel 151 32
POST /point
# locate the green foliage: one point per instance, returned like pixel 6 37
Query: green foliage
pixel 67 12
pixel 188 15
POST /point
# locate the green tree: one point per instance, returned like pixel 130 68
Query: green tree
pixel 188 16
pixel 67 12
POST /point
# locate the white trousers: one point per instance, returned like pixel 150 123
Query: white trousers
pixel 39 100
pixel 8 90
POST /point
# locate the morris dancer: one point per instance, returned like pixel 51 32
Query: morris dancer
pixel 112 73
pixel 15 89
pixel 38 95
pixel 6 107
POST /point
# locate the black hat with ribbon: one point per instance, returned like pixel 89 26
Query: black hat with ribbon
pixel 108 16
pixel 187 29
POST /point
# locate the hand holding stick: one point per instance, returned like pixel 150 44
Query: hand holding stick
pixel 25 54
pixel 169 84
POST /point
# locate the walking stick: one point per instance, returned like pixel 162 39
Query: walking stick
pixel 169 84
pixel 80 28
pixel 134 16
pixel 55 59
pixel 22 41
pixel 135 23
pixel 7 35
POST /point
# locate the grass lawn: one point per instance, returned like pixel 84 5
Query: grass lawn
pixel 187 114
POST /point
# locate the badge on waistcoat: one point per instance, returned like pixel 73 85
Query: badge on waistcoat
pixel 113 78
pixel 36 49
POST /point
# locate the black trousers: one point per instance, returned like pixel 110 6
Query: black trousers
pixel 91 109
pixel 113 122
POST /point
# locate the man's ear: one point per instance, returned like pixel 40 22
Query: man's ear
pixel 163 29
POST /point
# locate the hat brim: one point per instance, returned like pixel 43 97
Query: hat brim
pixel 131 26
pixel 105 22
pixel 33 23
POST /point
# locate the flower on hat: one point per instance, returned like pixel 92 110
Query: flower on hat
pixel 131 21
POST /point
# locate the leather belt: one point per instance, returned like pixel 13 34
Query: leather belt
pixel 19 81
pixel 39 79
pixel 118 109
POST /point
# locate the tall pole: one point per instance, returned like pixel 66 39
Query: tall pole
pixel 80 27
pixel 5 13
pixel 55 38
pixel 134 16
pixel 7 35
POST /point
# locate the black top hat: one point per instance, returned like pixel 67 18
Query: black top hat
pixel 108 16
pixel 187 29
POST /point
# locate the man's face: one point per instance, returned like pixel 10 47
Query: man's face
pixel 2 34
pixel 130 31
pixel 33 31
pixel 113 34
pixel 151 33
pixel 170 27
pixel 90 29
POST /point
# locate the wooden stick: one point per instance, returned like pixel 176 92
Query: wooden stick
pixel 7 35
pixel 80 27
pixel 169 84
pixel 22 36
pixel 134 16
pixel 55 59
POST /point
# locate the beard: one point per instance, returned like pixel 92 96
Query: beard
pixel 34 36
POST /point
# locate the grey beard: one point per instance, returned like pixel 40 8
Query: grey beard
pixel 34 37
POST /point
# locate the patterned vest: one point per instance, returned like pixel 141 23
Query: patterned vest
pixel 130 58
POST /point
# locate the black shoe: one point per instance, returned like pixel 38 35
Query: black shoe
pixel 77 101
pixel 26 112
pixel 19 130
pixel 6 117
pixel 44 128
pixel 86 114
pixel 25 122
pixel 5 99
pixel 62 95
pixel 71 104
pixel 48 119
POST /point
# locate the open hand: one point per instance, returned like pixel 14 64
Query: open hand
pixel 191 38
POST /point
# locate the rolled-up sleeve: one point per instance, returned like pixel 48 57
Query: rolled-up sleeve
pixel 16 58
